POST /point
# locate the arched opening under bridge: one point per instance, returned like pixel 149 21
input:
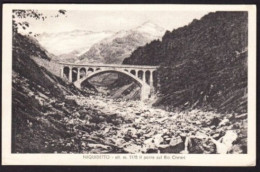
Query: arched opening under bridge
pixel 144 88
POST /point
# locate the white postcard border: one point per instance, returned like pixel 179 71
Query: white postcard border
pixel 8 158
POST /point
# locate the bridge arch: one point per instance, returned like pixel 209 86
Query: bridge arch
pixel 75 73
pixel 90 69
pixel 66 72
pixel 133 72
pixel 82 72
pixel 148 77
pixel 145 88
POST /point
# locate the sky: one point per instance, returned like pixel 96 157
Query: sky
pixel 114 21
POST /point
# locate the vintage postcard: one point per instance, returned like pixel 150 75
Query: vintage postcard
pixel 129 85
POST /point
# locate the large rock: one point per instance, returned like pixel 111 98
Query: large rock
pixel 175 141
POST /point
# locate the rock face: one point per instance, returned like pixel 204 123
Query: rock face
pixel 203 64
pixel 116 48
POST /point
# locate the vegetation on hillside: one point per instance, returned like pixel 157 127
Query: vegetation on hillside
pixel 203 64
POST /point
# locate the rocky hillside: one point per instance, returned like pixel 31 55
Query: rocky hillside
pixel 203 64
pixel 116 48
pixel 38 99
pixel 67 46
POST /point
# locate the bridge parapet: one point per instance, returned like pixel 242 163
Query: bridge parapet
pixel 109 65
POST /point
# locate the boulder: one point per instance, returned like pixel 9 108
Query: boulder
pixel 134 149
pixel 224 122
pixel 225 143
pixel 175 141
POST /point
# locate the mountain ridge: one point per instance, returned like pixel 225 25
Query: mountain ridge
pixel 120 45
pixel 69 45
pixel 203 64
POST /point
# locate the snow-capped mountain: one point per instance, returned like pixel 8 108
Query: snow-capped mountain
pixel 116 48
pixel 151 28
pixel 69 45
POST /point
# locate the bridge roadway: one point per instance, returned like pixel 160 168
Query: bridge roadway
pixel 142 74
pixel 109 65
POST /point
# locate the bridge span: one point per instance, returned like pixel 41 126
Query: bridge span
pixel 143 75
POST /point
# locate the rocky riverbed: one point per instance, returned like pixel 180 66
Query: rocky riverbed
pixel 91 123
pixel 104 125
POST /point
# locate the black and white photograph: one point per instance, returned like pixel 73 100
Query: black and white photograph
pixel 130 80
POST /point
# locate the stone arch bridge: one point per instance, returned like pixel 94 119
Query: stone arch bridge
pixel 143 75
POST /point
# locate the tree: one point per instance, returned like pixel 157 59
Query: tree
pixel 23 14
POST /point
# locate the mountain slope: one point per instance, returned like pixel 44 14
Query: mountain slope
pixel 69 45
pixel 203 64
pixel 119 46
pixel 38 100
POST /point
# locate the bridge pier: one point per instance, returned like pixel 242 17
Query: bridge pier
pixel 145 92
pixel 62 72
pixel 143 77
pixel 151 79
pixel 70 74
pixel 77 84
pixel 78 74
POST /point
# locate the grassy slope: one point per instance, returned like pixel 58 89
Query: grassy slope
pixel 203 64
